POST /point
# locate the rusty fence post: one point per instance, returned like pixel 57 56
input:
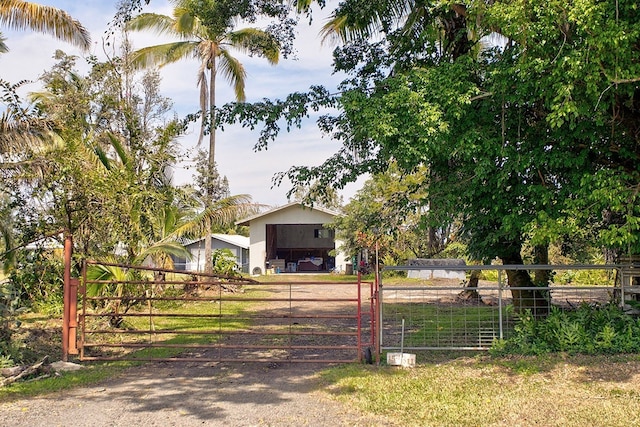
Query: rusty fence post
pixel 70 302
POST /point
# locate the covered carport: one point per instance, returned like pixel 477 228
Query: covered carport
pixel 293 238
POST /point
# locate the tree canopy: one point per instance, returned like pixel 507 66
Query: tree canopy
pixel 526 115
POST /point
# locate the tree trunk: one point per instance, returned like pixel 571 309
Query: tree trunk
pixel 212 115
pixel 470 292
pixel 541 257
pixel 524 299
pixel 208 250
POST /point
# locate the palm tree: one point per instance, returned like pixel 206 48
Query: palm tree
pixel 18 129
pixel 18 14
pixel 221 213
pixel 210 44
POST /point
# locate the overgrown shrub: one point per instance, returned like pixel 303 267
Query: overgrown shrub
pixel 38 280
pixel 10 307
pixel 587 329
pixel 224 262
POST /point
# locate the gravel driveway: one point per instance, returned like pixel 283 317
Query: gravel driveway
pixel 187 394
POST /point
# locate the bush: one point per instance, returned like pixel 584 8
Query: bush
pixel 10 307
pixel 587 329
pixel 38 280
pixel 224 262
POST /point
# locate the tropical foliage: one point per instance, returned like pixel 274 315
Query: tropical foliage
pixel 19 14
pixel 586 329
pixel 524 115
pixel 389 211
pixel 205 30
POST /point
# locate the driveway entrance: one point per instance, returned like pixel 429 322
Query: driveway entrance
pixel 142 313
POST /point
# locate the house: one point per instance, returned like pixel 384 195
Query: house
pixel 293 238
pixel 238 245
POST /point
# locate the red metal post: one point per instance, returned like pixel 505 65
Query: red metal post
pixel 66 292
pixel 73 315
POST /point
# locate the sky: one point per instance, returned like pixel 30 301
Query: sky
pixel 248 172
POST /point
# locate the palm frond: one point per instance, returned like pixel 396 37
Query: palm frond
pixel 163 248
pixel 222 213
pixel 356 19
pixel 164 54
pixel 20 15
pixel 104 274
pixel 161 24
pixel 18 134
pixel 233 71
pixel 186 25
pixel 3 47
pixel 120 149
pixel 102 157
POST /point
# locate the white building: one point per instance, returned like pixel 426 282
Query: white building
pixel 293 238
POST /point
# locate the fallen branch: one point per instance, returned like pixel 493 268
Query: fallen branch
pixel 29 371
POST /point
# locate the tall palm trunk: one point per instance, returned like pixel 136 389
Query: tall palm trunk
pixel 212 114
pixel 208 250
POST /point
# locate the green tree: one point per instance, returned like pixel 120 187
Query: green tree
pixel 108 181
pixel 390 210
pixel 221 213
pixel 528 138
pixel 209 189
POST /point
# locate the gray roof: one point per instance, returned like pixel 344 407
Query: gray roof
pixel 233 239
pixel 435 262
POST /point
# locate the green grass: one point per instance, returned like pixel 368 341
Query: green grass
pixel 193 330
pixel 482 391
pixel 430 325
pixel 97 371
pixel 91 374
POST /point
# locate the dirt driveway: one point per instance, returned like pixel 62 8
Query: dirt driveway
pixel 186 394
pixel 195 394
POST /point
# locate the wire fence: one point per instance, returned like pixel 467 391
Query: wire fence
pixel 448 314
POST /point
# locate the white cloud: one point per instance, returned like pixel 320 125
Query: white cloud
pixel 248 172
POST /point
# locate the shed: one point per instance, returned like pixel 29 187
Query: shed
pixel 293 238
pixel 238 245
pixel 432 268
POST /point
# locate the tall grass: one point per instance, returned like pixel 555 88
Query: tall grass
pixel 481 391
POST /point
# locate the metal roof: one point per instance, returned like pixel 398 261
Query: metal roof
pixel 246 221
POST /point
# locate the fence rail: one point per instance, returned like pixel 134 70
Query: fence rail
pixel 448 315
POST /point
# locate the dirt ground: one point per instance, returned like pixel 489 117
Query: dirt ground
pixel 195 394
pixel 189 394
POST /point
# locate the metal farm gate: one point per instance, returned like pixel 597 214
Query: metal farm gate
pixel 446 314
pixel 129 312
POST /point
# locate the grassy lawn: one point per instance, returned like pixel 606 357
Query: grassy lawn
pixel 432 325
pixel 557 390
